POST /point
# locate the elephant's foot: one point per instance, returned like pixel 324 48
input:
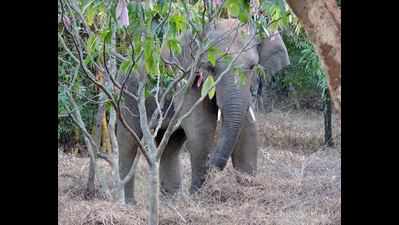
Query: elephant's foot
pixel 170 190
pixel 128 194
pixel 196 185
pixel 130 201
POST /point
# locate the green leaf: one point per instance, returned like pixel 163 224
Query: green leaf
pixel 175 46
pixel 260 71
pixel 108 105
pixel 125 65
pixel 91 13
pixel 91 44
pixel 227 59
pixel 213 54
pixel 87 60
pixel 177 23
pixel 238 8
pixel 106 35
pixel 243 16
pixel 147 93
pixel 233 7
pixel 238 72
pixel 243 78
pixel 85 7
pixel 212 58
pixel 151 57
pixel 209 82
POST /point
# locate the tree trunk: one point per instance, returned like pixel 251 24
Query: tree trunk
pixel 105 138
pixel 90 143
pixel 117 192
pixel 91 188
pixel 327 121
pixel 99 118
pixel 111 141
pixel 322 22
pixel 153 194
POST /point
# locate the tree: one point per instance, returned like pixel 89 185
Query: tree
pixel 322 21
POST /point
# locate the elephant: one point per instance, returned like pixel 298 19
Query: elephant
pixel 237 137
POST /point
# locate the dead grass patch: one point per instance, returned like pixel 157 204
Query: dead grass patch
pixel 290 187
pixel 299 131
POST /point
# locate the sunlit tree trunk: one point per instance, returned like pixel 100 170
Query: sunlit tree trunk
pixel 105 139
pixel 322 22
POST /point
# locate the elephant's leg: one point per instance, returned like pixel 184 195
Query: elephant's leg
pixel 245 155
pixel 200 129
pixel 170 164
pixel 127 154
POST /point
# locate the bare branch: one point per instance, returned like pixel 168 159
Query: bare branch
pixel 148 138
pixel 132 170
pixel 161 116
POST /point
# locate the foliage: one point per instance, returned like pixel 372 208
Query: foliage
pixel 305 72
pixel 66 72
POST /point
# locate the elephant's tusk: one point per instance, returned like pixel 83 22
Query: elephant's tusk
pixel 219 114
pixel 252 113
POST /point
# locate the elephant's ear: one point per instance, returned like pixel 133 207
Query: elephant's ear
pixel 273 54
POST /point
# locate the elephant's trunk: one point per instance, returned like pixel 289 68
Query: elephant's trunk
pixel 232 103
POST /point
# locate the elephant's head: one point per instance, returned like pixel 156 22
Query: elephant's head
pixel 232 96
pixel 273 55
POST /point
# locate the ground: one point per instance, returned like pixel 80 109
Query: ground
pixel 298 182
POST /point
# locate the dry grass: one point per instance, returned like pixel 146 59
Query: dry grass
pixel 298 131
pixel 290 187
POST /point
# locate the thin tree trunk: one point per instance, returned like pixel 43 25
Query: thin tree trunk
pixel 100 113
pixel 91 147
pixel 106 142
pixel 117 192
pixel 75 141
pixel 112 141
pixel 322 22
pixel 327 121
pixel 91 188
pixel 153 194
